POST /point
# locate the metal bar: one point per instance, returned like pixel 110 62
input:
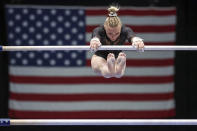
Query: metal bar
pixel 7 122
pixel 120 47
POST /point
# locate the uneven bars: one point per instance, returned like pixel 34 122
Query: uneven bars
pixel 119 47
pixel 10 122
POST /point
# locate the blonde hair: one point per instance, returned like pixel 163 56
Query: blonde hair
pixel 112 20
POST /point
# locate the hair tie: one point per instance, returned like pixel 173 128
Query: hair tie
pixel 112 14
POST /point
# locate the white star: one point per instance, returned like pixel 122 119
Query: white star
pixel 67 24
pixel 79 62
pixel 53 36
pixel 12 61
pixel 67 12
pixel 10 23
pixel 52 62
pixel 11 11
pixel 46 55
pixel 67 37
pixel 73 55
pixel 31 55
pixel 46 42
pixel 53 12
pixel 38 36
pixel 59 55
pixel 74 42
pixel 81 12
pixel 31 42
pixel 59 42
pixel 18 17
pixel 25 61
pixel 74 18
pixel 80 36
pixel 59 30
pixel 39 62
pixel 39 11
pixel 60 18
pixel 74 30
pixel 46 18
pixel 32 17
pixel 67 62
pixel 31 29
pixel 25 23
pixel 18 55
pixel 81 23
pixel 11 36
pixel 17 29
pixel 18 42
pixel 24 36
pixel 38 24
pixel 46 30
pixel 25 11
pixel 53 24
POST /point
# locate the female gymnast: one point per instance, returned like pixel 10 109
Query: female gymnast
pixel 112 63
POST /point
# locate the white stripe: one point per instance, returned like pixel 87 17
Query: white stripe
pixel 91 106
pixel 91 88
pixel 87 71
pixel 157 37
pixel 148 37
pixel 135 20
pixel 144 55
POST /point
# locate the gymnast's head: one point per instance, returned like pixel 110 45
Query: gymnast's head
pixel 113 23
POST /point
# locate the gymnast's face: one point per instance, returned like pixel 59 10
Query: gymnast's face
pixel 113 32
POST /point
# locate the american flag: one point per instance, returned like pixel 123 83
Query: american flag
pixel 61 84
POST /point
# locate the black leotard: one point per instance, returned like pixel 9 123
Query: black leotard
pixel 125 34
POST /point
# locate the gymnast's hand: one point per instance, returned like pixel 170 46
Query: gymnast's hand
pixel 138 43
pixel 94 44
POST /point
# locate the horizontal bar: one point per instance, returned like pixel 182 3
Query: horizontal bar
pixel 119 47
pixel 99 122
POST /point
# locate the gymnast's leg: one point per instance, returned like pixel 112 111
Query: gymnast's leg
pixel 120 65
pixel 111 63
pixel 103 67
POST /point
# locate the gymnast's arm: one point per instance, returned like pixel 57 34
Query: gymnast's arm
pixel 137 42
pixel 95 41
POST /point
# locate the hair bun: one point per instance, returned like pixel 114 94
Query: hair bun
pixel 112 11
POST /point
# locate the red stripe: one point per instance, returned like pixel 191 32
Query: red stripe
pixel 91 97
pixel 142 29
pixel 89 80
pixel 149 43
pixel 132 12
pixel 144 62
pixel 91 114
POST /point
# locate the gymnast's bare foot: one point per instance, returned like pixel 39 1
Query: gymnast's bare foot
pixel 120 64
pixel 111 63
